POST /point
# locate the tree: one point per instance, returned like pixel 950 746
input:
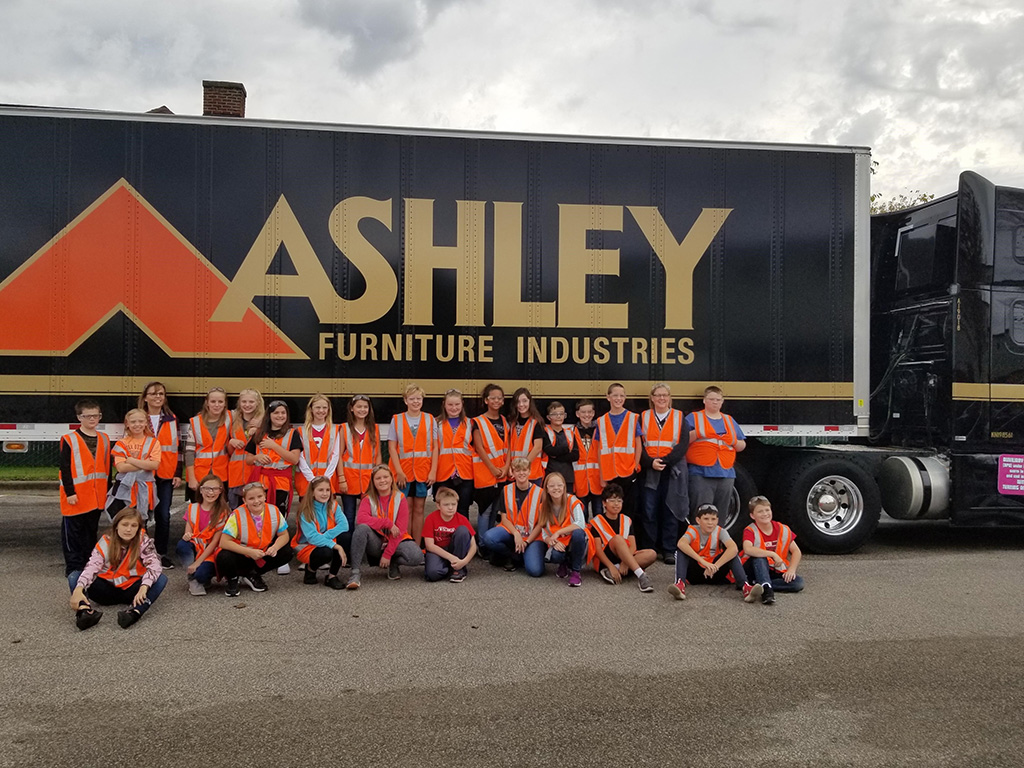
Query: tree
pixel 898 202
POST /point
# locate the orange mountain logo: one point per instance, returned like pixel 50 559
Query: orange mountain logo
pixel 121 255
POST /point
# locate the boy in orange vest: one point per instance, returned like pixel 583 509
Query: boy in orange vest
pixel 620 437
pixel 770 555
pixel 413 448
pixel 710 552
pixel 715 439
pixel 84 472
pixel 587 470
pixel 614 554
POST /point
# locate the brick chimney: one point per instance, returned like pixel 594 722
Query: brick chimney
pixel 223 99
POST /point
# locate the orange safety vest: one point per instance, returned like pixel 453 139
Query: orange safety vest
pixel 169 451
pixel 121 450
pixel 600 530
pixel 249 535
pixel 125 574
pixel 201 538
pixel 316 458
pixel 456 453
pixel 570 439
pixel 618 450
pixel 521 443
pixel 211 452
pixel 391 513
pixel 709 446
pixel 495 448
pixel 572 505
pixel 659 441
pixel 277 475
pixel 710 550
pixel 414 454
pixel 523 518
pixel 239 473
pixel 300 544
pixel 587 471
pixel 786 537
pixel 89 474
pixel 358 458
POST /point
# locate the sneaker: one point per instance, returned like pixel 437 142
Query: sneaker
pixel 678 590
pixel 353 581
pixel 509 566
pixel 768 598
pixel 669 558
pixel 195 588
pixel 128 617
pixel 333 582
pixel 284 570
pixel 563 570
pixel 458 576
pixel 606 575
pixel 309 577
pixel 645 582
pixel 751 592
pixel 231 590
pixel 575 580
pixel 255 582
pixel 166 563
pixel 87 617
pixel 393 573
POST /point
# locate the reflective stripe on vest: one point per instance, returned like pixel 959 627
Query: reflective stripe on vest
pixel 602 528
pixel 391 513
pixel 357 461
pixel 201 538
pixel 168 437
pixel 211 452
pixel 660 440
pixel 124 574
pixel 524 518
pixel 786 537
pixel 572 505
pixel 318 457
pixel 495 449
pixel 710 549
pixel 456 452
pixel 415 453
pixel 89 474
pixel 521 443
pixel 708 447
pixel 570 439
pixel 618 449
pixel 587 471
pixel 246 528
pixel 303 548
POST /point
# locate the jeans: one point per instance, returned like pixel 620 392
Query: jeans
pixel 78 535
pixel 162 514
pixel 486 498
pixel 688 569
pixel 575 553
pixel 350 505
pixel 758 572
pixel 659 529
pixel 465 490
pixel 502 545
pixel 105 593
pixel 436 567
pixel 186 552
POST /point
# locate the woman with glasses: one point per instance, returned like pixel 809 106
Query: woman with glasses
pixel 153 401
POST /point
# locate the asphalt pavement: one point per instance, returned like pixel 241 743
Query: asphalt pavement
pixel 907 653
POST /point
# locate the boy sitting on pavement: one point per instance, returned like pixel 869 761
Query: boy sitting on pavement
pixel 770 554
pixel 615 554
pixel 448 538
pixel 711 554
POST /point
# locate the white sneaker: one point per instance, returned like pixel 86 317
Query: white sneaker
pixel 195 588
pixel 284 570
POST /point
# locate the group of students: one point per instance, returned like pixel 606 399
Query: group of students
pixel 544 493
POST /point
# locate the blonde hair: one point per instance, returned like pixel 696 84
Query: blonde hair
pixel 204 413
pixel 148 431
pixel 372 494
pixel 413 388
pixel 257 415
pixel 307 511
pixel 547 512
pixel 307 428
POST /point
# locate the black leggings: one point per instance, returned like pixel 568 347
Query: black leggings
pixel 323 555
pixel 231 564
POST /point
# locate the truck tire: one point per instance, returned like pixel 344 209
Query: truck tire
pixel 737 517
pixel 832 504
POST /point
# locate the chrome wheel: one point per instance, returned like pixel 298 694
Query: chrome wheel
pixel 835 505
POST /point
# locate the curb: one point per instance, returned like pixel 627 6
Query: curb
pixel 30 485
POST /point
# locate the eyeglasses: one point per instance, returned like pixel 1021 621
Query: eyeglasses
pixel 453 392
pixel 557 414
pixel 360 397
pixel 707 508
pixel 212 489
pixel 250 486
pixel 90 415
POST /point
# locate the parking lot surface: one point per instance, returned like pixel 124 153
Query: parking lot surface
pixel 907 653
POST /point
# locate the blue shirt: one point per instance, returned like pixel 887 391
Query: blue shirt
pixel 617 424
pixel 327 538
pixel 716 469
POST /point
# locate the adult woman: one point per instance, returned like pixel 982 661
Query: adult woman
pixel 153 401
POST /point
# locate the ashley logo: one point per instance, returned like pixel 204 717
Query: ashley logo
pixel 121 255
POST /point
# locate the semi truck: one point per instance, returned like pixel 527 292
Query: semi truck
pixel 873 363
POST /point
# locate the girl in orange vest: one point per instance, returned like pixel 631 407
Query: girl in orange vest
pixel 382 529
pixel 136 457
pixel 322 534
pixel 274 451
pixel 200 543
pixel 665 443
pixel 153 401
pixel 563 530
pixel 359 438
pixel 246 419
pixel 455 458
pixel 527 438
pixel 320 449
pixel 413 453
pixel 254 541
pixel 124 569
pixel 490 458
pixel 206 444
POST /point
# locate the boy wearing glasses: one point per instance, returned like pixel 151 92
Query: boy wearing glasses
pixel 84 472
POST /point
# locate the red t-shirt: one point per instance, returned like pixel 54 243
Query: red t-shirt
pixel 441 531
pixel 771 540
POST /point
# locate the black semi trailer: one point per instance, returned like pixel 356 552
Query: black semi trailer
pixel 301 258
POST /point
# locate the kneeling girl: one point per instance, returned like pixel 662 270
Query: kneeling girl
pixel 323 535
pixel 254 541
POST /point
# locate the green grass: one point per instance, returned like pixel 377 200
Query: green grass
pixel 28 473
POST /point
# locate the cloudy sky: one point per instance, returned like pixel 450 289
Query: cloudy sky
pixel 933 86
